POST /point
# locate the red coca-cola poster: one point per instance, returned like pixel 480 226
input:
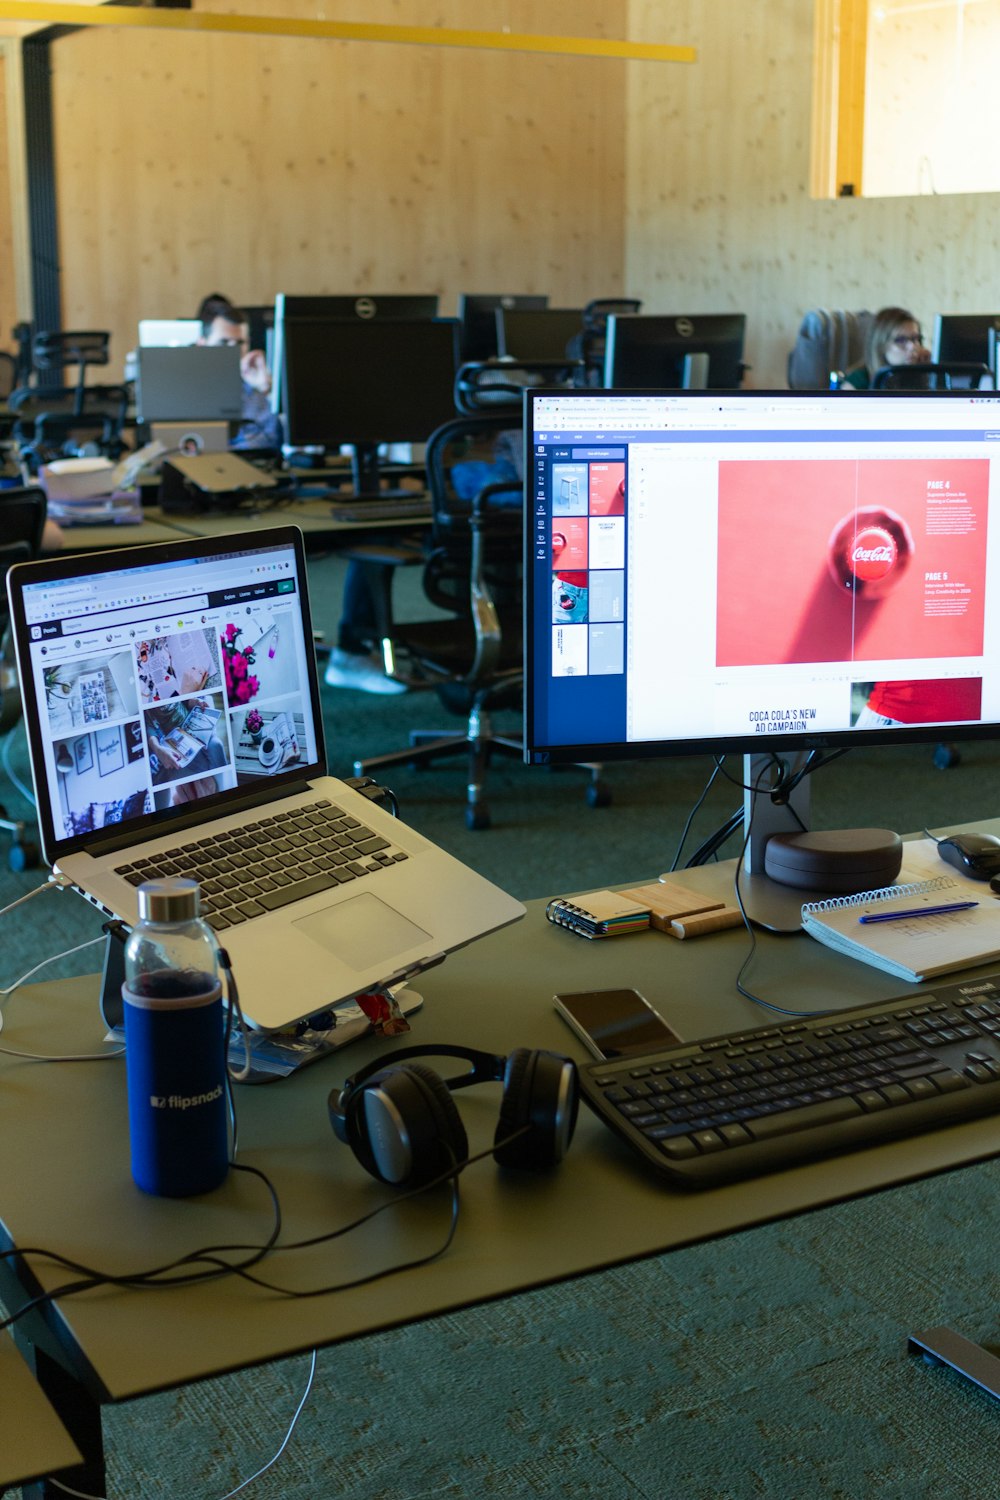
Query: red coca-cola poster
pixel 851 560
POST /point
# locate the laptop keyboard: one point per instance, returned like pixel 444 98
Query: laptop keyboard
pixel 269 864
pixel 755 1101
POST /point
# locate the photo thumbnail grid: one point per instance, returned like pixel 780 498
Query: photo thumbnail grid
pixel 588 568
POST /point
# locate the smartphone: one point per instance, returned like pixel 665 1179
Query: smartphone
pixel 615 1023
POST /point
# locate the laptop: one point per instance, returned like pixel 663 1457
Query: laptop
pixel 171 699
pixel 168 332
pixel 196 384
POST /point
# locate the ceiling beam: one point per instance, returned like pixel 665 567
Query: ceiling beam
pixel 43 12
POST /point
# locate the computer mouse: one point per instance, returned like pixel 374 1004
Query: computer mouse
pixel 976 855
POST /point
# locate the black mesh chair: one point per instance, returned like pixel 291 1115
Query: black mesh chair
pixel 929 377
pixel 471 651
pixel 22 520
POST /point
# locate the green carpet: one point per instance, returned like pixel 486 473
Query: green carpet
pixel 769 1364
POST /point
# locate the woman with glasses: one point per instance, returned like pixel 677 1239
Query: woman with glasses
pixel 894 338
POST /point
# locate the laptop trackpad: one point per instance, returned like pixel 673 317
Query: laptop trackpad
pixel 361 930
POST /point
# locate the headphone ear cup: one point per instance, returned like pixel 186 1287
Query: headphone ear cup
pixel 404 1127
pixel 540 1092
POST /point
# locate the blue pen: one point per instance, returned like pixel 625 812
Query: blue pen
pixel 917 911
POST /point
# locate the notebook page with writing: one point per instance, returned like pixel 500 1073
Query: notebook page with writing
pixel 915 947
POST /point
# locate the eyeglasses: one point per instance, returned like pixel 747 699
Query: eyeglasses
pixel 907 340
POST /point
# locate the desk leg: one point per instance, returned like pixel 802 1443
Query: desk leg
pixel 79 1413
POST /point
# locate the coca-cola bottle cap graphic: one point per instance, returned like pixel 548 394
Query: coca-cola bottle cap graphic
pixel 869 551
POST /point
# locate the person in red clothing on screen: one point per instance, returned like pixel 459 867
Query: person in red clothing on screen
pixel 937 700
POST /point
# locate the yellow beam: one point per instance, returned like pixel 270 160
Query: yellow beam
pixel 55 14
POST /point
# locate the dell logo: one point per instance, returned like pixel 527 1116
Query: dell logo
pixel 364 307
pixel 684 327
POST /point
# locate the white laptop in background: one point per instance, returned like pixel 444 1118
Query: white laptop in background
pixel 172 704
pixel 164 333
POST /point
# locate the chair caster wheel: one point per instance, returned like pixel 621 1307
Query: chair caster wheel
pixel 946 756
pixel 23 857
pixel 477 817
pixel 598 794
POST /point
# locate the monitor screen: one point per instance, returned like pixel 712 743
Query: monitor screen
pixel 649 351
pixel 754 570
pixel 351 305
pixel 542 334
pixel 963 338
pixel 357 382
pixel 477 338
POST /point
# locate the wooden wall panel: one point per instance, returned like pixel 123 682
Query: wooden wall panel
pixel 718 210
pixel 188 164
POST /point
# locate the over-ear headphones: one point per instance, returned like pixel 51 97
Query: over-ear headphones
pixel 404 1127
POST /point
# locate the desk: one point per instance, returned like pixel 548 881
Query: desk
pixel 32 1439
pixel 154 527
pixel 515 1232
pixel 313 516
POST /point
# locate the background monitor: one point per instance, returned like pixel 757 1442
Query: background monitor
pixel 963 338
pixel 196 384
pixel 477 337
pixel 161 333
pixel 542 334
pixel 366 307
pixel 767 573
pixel 366 383
pixel 661 352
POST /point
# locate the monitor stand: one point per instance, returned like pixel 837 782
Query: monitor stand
pixel 766 902
pixel 366 475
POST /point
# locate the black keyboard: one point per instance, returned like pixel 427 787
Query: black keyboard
pixel 741 1105
pixel 396 508
pixel 269 864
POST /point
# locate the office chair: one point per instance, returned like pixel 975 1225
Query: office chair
pixel 48 425
pixel 472 652
pixel 829 341
pixel 484 385
pixel 954 375
pixel 8 374
pixel 22 519
pixel 58 351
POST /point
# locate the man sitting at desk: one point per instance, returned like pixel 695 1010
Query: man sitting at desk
pixel 222 323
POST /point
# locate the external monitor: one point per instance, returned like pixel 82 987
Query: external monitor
pixel 477 338
pixel 365 383
pixel 759 572
pixel 161 333
pixel 367 308
pixel 196 384
pixel 542 334
pixel 667 352
pixel 963 338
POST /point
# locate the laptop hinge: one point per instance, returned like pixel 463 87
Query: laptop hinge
pixel 196 819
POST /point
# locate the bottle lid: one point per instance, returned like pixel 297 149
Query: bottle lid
pixel 173 899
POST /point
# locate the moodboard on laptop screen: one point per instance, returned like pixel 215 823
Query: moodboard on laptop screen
pixel 158 685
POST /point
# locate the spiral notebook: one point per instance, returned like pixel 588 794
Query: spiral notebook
pixel 914 947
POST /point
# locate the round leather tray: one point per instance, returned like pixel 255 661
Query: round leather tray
pixel 841 859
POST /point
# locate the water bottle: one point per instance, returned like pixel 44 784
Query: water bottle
pixel 174 1044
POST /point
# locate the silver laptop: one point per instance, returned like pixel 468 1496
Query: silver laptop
pixel 172 704
pixel 197 384
pixel 168 332
pixel 191 437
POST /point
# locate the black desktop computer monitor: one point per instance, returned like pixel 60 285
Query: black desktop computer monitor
pixel 780 574
pixel 963 338
pixel 407 305
pixel 365 383
pixel 675 353
pixel 477 322
pixel 542 334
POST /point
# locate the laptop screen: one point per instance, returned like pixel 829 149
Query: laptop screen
pixel 163 682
